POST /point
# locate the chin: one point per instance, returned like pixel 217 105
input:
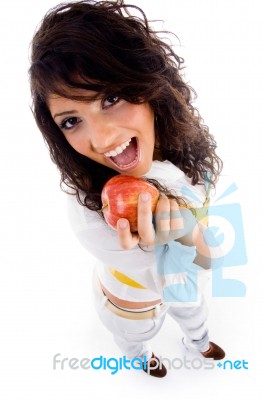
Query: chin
pixel 137 172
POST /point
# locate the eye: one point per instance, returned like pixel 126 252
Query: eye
pixel 70 123
pixel 110 101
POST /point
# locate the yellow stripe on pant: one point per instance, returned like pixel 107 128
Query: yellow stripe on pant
pixel 125 279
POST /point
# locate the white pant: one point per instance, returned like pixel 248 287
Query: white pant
pixel 132 335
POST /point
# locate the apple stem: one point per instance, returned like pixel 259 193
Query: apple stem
pixel 104 206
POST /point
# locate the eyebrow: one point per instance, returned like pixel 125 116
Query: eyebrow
pixel 64 113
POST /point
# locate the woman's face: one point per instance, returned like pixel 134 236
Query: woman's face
pixel 112 132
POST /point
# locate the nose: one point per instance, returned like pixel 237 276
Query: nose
pixel 102 134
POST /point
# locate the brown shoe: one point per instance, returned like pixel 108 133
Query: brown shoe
pixel 214 352
pixel 155 368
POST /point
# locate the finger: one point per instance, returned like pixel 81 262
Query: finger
pixel 145 225
pixel 162 218
pixel 176 219
pixel 127 239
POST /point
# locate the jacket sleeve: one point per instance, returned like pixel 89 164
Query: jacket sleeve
pixel 102 242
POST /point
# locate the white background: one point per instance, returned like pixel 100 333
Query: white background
pixel 45 294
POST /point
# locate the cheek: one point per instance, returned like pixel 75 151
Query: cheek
pixel 138 116
pixel 148 121
pixel 77 142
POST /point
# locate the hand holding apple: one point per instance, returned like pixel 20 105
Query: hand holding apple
pixel 120 199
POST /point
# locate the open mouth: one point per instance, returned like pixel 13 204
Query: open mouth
pixel 128 158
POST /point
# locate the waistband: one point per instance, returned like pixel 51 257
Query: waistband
pixel 135 315
pixel 129 305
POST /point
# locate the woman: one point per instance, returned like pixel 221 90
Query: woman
pixel 109 99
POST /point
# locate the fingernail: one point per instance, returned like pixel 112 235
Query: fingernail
pixel 123 223
pixel 145 196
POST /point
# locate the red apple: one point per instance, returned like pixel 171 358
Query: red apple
pixel 120 198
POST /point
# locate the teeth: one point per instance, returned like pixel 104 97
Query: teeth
pixel 118 150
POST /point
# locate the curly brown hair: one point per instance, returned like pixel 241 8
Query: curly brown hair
pixel 100 46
